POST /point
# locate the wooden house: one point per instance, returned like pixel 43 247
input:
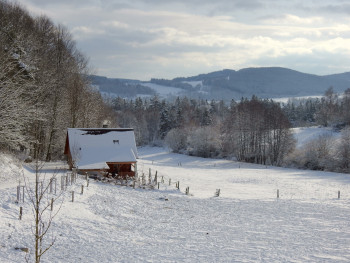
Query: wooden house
pixel 102 150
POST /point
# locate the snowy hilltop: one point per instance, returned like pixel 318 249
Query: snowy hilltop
pixel 265 82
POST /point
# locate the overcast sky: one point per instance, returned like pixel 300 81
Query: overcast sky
pixel 141 39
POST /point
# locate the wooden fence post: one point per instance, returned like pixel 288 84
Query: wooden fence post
pixel 178 185
pixel 169 181
pixel 18 193
pixel 158 185
pixel 338 194
pixel 62 182
pixel 20 213
pixel 72 196
pixel 82 189
pixel 51 204
pixel 51 179
pixel 55 180
pixel 278 193
pixel 74 172
pixel 23 194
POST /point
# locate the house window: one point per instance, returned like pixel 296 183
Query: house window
pixel 116 141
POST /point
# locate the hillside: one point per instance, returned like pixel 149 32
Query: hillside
pixel 269 82
pixel 247 223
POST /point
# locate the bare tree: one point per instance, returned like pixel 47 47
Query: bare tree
pixel 42 194
pixel 176 140
pixel 343 151
pixel 42 210
pixel 203 142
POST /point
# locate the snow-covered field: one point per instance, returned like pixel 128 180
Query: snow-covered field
pixel 247 223
pixel 286 99
pixel 163 91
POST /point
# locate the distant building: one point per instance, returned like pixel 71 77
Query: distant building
pixel 102 150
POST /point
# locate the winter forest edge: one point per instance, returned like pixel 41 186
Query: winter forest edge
pixel 45 88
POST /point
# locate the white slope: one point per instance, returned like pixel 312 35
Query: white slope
pixel 163 91
pixel 306 134
pixel 194 83
pixel 286 99
pixel 247 223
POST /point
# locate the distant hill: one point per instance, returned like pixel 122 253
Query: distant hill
pixel 267 82
pixel 126 88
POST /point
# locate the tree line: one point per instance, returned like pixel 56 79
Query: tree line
pixel 45 88
pixel 325 152
pixel 329 110
pixel 251 130
pixel 44 84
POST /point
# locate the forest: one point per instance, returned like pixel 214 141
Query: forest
pixel 45 88
pixel 251 130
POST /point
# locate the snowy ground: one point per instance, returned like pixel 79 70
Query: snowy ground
pixel 305 134
pixel 247 223
pixel 163 91
pixel 286 99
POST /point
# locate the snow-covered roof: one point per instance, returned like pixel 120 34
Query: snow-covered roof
pixel 93 148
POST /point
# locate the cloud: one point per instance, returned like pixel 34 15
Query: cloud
pixel 156 38
pixel 319 63
pixel 290 19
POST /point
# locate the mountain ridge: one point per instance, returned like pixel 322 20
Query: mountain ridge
pixel 227 84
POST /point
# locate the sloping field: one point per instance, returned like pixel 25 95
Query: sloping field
pixel 246 223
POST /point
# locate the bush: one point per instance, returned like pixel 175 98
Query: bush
pixel 203 142
pixel 317 154
pixel 176 140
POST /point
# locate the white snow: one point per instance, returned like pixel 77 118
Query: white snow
pixel 194 83
pixel 92 151
pixel 247 223
pixel 286 99
pixel 305 134
pixel 163 91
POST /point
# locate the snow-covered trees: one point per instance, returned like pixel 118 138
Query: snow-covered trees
pixel 316 154
pixel 327 152
pixel 330 110
pixel 252 130
pixel 204 142
pixel 176 140
pixel 44 86
pixel 16 81
pixel 343 151
pixel 258 131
